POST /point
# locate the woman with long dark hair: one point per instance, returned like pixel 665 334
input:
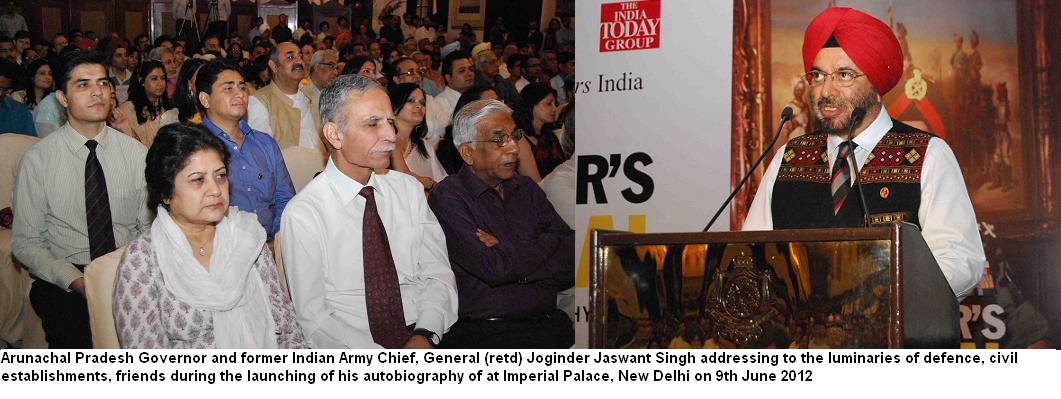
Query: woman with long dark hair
pixel 147 101
pixel 413 153
pixel 536 116
pixel 38 82
pixel 184 109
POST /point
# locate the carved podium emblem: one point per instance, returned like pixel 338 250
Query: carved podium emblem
pixel 739 301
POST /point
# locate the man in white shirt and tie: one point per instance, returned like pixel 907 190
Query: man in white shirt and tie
pixel 365 257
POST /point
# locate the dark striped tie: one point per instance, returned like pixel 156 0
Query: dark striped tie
pixel 383 297
pixel 97 206
pixel 841 182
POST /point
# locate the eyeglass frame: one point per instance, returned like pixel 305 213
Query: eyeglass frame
pixel 514 137
pixel 836 80
pixel 417 72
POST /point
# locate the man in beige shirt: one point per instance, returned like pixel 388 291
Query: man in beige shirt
pixel 80 193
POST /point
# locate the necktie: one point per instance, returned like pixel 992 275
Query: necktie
pixel 97 206
pixel 841 182
pixel 386 318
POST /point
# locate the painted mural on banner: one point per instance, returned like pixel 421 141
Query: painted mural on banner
pixel 654 120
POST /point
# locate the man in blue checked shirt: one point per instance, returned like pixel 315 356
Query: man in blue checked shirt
pixel 258 178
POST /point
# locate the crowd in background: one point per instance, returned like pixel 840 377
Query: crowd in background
pixel 225 108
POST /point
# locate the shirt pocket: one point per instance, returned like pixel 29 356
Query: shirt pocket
pixel 264 183
pixel 125 206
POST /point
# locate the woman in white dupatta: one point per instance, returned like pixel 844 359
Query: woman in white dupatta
pixel 202 275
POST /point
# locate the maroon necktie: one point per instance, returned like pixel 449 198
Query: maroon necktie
pixel 386 318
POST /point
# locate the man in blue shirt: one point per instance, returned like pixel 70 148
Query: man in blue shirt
pixel 258 177
pixel 14 116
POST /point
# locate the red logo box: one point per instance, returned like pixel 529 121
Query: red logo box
pixel 629 25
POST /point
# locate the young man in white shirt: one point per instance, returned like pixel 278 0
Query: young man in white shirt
pixel 459 74
pixel 80 194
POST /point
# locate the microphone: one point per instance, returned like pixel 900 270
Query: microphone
pixel 786 114
pixel 856 117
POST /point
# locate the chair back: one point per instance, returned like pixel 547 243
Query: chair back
pixel 302 164
pixel 12 146
pixel 99 293
pixel 279 259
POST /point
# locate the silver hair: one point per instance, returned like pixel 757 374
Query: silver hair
pixel 318 57
pixel 157 52
pixel 333 98
pixel 464 121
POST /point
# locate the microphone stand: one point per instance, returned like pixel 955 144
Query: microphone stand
pixel 856 118
pixel 786 114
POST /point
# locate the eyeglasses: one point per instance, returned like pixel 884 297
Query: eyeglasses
pixel 411 72
pixel 841 78
pixel 328 65
pixel 500 140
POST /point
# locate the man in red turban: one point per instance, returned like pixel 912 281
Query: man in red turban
pixel 851 60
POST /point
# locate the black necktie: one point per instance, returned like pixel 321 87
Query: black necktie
pixel 97 206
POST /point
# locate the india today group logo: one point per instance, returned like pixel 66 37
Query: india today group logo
pixel 629 25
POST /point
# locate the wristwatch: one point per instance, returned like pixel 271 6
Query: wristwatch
pixel 433 338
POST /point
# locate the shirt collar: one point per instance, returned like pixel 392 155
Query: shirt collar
pixel 243 128
pixel 347 188
pixel 869 138
pixel 449 92
pixel 76 142
pixel 477 186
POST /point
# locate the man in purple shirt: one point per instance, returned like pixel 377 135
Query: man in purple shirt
pixel 258 177
pixel 509 249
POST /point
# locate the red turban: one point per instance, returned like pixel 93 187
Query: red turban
pixel 866 40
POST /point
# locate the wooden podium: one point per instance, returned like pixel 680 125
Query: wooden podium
pixel 877 287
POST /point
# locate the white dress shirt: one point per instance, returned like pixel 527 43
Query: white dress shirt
pixel 948 222
pixel 50 231
pixel 422 33
pixel 557 83
pixel 440 113
pixel 521 83
pixel 559 187
pixel 308 135
pixel 436 117
pixel 320 237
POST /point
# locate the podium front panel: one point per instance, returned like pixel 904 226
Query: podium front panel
pixel 715 290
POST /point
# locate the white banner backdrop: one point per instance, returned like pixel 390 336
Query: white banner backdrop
pixel 654 93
